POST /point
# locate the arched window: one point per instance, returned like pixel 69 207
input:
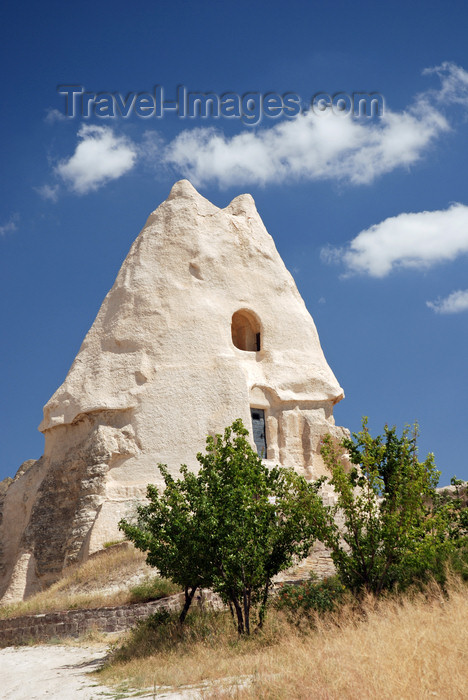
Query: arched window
pixel 245 330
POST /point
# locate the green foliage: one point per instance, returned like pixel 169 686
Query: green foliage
pixel 231 527
pixel 453 504
pixel 394 530
pixel 162 632
pixel 112 543
pixel 153 588
pixel 458 561
pixel 310 596
pixel 170 529
pixel 452 507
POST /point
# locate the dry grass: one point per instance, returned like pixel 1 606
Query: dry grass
pixel 412 648
pixel 116 576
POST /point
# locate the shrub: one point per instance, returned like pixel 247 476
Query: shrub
pixel 395 530
pixel 310 596
pixel 153 588
pixel 162 633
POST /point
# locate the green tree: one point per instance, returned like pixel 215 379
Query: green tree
pixel 231 527
pixel 169 529
pixel 390 532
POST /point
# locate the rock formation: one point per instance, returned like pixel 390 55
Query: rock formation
pixel 204 324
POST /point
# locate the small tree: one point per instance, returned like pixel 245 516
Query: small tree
pixel 231 527
pixel 391 534
pixel 168 528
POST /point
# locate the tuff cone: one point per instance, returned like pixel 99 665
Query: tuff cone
pixel 204 324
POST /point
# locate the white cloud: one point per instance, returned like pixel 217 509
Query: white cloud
pixel 453 304
pixel 454 83
pixel 309 147
pixel 99 157
pixel 416 240
pixel 151 146
pixel 322 147
pixel 49 192
pixel 10 226
pixel 326 147
pixel 53 115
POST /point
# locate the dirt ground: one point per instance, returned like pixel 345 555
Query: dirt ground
pixel 62 672
pixel 51 671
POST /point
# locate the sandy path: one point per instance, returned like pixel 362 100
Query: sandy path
pixel 61 672
pixel 48 671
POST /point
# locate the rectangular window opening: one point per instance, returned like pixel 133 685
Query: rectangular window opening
pixel 258 431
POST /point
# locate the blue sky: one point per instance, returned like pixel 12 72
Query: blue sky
pixel 370 215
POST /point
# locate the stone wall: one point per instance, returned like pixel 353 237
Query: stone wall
pixel 73 623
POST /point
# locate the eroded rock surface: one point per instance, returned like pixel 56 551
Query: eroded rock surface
pixel 203 324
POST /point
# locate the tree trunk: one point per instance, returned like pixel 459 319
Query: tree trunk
pixel 246 597
pixel 262 612
pixel 188 601
pixel 240 618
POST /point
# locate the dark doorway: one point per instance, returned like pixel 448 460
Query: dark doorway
pixel 258 430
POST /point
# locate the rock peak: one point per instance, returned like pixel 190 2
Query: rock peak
pixel 243 204
pixel 183 188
